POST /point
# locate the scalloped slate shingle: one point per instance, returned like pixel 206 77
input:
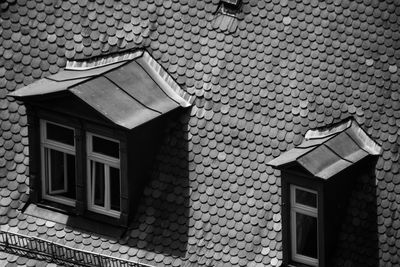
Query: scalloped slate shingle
pixel 286 66
pixel 10 260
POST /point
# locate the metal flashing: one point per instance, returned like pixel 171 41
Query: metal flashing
pixel 128 89
pixel 103 60
pixel 329 150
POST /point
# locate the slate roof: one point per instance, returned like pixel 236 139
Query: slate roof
pixel 10 260
pixel 284 67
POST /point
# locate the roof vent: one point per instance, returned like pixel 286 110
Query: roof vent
pixel 227 15
pixel 231 2
pixel 230 7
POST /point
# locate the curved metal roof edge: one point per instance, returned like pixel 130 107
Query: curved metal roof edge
pixel 105 60
pixel 367 143
pixel 349 126
pixel 326 131
pixel 166 82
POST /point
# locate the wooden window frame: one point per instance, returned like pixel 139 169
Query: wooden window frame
pixel 108 162
pixel 81 126
pixel 297 178
pixel 46 143
pixel 305 210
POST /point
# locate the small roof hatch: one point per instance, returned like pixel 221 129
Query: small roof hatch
pixel 230 7
pixel 231 2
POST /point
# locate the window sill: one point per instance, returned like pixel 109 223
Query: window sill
pixel 295 264
pixel 49 213
pixel 110 213
pixel 61 200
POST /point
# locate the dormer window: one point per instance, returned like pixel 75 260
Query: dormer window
pixel 91 126
pixel 304 224
pixel 316 179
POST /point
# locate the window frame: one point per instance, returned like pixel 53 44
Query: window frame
pixel 295 208
pixel 81 123
pixel 49 144
pixel 297 177
pixel 108 162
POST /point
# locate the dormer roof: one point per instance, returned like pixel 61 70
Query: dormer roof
pixel 129 88
pixel 329 150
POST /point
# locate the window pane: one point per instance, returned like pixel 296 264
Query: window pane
pixel 70 176
pixel 306 198
pixel 60 173
pixel 306 235
pixel 60 134
pixel 57 183
pixel 105 147
pixel 98 179
pixel 115 189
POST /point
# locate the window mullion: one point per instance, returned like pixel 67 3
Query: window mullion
pixel 312 212
pixel 48 170
pixel 107 186
pixel 93 181
pixel 59 146
pixel 65 189
pixel 113 163
pixel 293 231
pixel 104 157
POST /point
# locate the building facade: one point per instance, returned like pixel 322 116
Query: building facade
pixel 259 76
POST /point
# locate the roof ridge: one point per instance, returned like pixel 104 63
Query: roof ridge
pixel 329 130
pixel 104 60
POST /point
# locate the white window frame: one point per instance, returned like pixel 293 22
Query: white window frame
pixel 60 147
pixel 108 162
pixel 306 210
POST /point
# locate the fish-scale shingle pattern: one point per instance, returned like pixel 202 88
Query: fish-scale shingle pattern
pixel 289 66
pixel 13 150
pixel 10 260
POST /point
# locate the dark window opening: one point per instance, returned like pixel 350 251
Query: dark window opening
pixel 60 134
pixel 98 180
pixel 60 172
pixel 114 188
pixel 105 147
pixel 306 235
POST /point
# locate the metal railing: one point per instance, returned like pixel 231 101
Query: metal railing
pixel 41 249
